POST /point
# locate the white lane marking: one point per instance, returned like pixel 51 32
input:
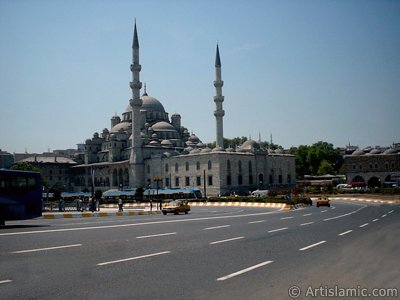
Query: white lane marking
pixel 216 227
pixel 5 281
pixel 49 248
pixel 345 215
pixel 155 235
pixel 322 211
pixel 311 246
pixel 279 229
pixel 333 207
pixel 307 215
pixel 253 222
pixel 384 215
pixel 363 225
pixel 132 258
pixel 308 223
pixel 245 270
pixel 390 211
pixel 344 233
pixel 228 240
pixel 286 218
pixel 140 224
pixel 374 220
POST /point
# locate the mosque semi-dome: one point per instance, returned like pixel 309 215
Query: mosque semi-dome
pixel 250 145
pixel 163 126
pixel 125 126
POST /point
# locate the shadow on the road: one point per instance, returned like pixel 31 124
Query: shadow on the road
pixel 22 226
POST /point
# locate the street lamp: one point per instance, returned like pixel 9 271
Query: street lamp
pixel 157 179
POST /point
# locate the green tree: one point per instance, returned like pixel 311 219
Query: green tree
pixel 325 167
pixel 25 166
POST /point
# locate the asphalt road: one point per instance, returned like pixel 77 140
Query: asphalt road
pixel 211 253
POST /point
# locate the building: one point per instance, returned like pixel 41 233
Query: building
pixel 55 170
pixel 373 166
pixel 6 159
pixel 146 144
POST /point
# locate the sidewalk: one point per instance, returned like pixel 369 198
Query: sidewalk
pixel 104 212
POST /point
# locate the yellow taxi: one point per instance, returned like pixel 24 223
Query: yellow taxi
pixel 176 207
pixel 323 201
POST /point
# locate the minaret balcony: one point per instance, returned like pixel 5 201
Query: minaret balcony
pixel 136 67
pixel 218 83
pixel 135 85
pixel 219 113
pixel 219 98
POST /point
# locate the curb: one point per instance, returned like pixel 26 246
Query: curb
pixel 363 200
pixel 98 214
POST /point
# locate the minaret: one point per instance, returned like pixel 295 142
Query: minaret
pixel 218 99
pixel 136 178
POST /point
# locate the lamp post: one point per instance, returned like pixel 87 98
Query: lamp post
pixel 157 179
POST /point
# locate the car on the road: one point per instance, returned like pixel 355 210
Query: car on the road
pixel 323 201
pixel 176 207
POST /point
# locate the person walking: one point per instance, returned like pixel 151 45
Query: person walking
pixel 120 204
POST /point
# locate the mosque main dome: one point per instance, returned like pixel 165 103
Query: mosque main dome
pixel 149 104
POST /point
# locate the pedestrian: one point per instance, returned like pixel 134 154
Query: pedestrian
pixel 151 205
pixel 120 205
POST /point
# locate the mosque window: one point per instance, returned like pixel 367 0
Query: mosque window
pixel 228 165
pixel 198 165
pixel 289 178
pixel 229 180
pixel 370 166
pixel 198 180
pixel 209 165
pixel 166 167
pixel 176 181
pixel 210 180
pixel 167 181
pixel 240 179
pixel 148 168
pixel 240 166
pixel 280 178
pixel 187 181
pixel 250 179
pixel 250 167
pixel 187 166
pixel 176 167
pixel 376 166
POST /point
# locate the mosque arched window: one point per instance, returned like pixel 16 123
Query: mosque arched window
pixel 176 167
pixel 166 167
pixel 209 165
pixel 187 166
pixel 250 167
pixel 198 165
pixel 228 165
pixel 240 166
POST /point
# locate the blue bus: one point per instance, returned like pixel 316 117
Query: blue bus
pixel 20 195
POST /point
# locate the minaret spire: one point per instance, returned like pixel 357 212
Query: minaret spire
pixel 218 99
pixel 136 158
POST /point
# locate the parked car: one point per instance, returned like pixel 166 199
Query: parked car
pixel 176 207
pixel 323 201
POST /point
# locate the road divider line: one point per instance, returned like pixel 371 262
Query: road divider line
pixel 308 223
pixel 216 227
pixel 345 215
pixel 307 215
pixel 279 229
pixel 5 281
pixel 155 235
pixel 245 270
pixel 384 215
pixel 323 211
pixel 49 248
pixel 363 225
pixel 254 222
pixel 311 246
pixel 287 218
pixel 344 233
pixel 390 211
pixel 132 258
pixel 374 220
pixel 227 240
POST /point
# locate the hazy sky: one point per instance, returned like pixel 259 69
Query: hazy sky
pixel 302 70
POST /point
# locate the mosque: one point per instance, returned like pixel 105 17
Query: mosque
pixel 147 148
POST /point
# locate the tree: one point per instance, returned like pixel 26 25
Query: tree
pixel 325 167
pixel 25 166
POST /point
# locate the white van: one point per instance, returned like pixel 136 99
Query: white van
pixel 259 193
